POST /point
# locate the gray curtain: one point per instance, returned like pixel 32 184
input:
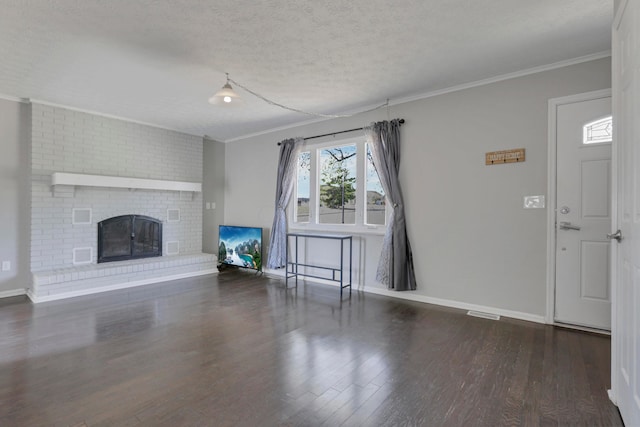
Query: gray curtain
pixel 289 149
pixel 395 268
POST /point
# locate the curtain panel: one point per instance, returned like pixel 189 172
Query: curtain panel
pixel 395 267
pixel 289 150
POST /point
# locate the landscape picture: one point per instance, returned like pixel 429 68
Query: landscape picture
pixel 240 246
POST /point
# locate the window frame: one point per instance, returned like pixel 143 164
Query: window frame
pixel 360 227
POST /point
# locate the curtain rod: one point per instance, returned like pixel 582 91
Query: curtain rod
pixel 401 121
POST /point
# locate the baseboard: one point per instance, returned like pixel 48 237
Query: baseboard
pixel 582 328
pixel 412 296
pixel 45 298
pixel 280 274
pixel 458 304
pixel 13 293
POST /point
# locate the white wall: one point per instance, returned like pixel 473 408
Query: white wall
pixel 473 242
pixel 213 186
pixel 14 195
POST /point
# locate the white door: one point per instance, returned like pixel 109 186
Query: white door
pixel 583 213
pixel 625 345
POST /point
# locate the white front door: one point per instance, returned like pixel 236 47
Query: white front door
pixel 625 343
pixel 583 213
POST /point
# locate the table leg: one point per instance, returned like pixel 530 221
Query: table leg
pixel 341 266
pixel 350 265
pixel 296 262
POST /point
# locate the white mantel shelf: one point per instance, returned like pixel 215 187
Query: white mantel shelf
pixel 78 179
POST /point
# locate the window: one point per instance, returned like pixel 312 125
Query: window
pixel 303 186
pixel 337 186
pixel 376 199
pixel 597 132
pixel 338 183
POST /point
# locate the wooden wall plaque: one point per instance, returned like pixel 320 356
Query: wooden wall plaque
pixel 515 155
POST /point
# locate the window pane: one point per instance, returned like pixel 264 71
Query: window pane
pixel 304 175
pixel 337 182
pixel 598 132
pixel 375 194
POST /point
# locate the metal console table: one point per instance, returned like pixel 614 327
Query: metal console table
pixel 295 263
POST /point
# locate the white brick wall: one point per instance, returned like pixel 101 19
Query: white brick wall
pixel 77 142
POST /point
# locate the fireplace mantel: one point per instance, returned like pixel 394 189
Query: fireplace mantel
pixel 77 179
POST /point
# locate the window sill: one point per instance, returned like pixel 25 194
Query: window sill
pixel 375 230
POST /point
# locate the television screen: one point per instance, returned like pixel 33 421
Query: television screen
pixel 240 246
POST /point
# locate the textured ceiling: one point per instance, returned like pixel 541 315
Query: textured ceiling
pixel 158 61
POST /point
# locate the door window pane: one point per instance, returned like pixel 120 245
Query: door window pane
pixel 598 132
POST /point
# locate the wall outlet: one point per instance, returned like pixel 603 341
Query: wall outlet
pixel 6 265
pixel 207 205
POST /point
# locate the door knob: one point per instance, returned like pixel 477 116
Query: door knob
pixel 564 225
pixel 617 235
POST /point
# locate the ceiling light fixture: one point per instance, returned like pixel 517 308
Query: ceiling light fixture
pixel 226 95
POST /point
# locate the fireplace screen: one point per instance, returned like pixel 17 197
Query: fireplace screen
pixel 129 237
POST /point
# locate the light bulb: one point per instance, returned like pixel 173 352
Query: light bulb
pixel 227 99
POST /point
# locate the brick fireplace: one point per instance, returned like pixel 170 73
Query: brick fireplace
pixel 110 168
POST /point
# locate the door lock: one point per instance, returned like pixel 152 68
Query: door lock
pixel 564 225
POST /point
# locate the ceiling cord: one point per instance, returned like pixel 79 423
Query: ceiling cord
pixel 329 116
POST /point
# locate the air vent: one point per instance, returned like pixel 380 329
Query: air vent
pixel 173 215
pixel 173 248
pixel 489 316
pixel 81 216
pixel 82 255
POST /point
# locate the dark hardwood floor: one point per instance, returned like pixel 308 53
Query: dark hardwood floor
pixel 236 349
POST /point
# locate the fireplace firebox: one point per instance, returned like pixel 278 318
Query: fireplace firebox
pixel 129 237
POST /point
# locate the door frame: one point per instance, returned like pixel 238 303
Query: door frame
pixel 552 167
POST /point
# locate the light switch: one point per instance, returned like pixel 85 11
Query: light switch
pixel 6 265
pixel 213 205
pixel 534 202
pixel 207 205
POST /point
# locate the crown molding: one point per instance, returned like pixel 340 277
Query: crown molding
pixel 278 128
pixel 431 94
pixel 503 77
pixel 108 116
pixel 13 98
pixel 353 112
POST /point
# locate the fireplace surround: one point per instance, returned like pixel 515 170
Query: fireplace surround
pixel 129 237
pixel 110 167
